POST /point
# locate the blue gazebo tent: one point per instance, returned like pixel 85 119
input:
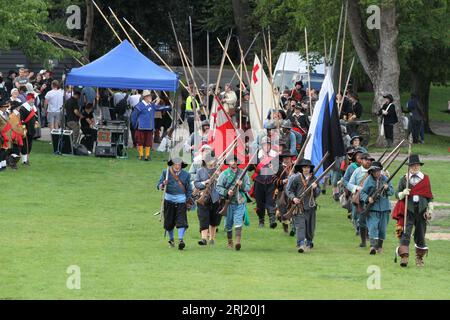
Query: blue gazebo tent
pixel 126 68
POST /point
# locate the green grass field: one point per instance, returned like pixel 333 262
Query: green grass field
pixel 98 214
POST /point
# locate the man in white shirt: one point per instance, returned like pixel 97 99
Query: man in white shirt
pixel 54 100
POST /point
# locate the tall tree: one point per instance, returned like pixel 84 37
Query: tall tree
pixel 89 27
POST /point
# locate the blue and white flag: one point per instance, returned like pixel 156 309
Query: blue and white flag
pixel 325 128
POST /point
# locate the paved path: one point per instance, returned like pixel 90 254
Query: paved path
pixel 441 128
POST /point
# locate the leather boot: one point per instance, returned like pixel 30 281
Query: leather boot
pixel 230 239
pixel 272 220
pixel 380 246
pixel 403 253
pixel 420 253
pixel 238 239
pixel 362 233
pixel 373 246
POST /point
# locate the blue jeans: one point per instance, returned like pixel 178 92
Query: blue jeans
pixel 377 222
pixel 235 216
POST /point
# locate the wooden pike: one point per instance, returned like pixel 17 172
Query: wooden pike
pixel 343 49
pixel 408 173
pixel 346 85
pixel 309 76
pixel 227 43
pixel 107 21
pixel 121 26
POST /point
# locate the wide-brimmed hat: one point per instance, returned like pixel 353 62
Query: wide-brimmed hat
pixel 4 104
pixel 173 161
pixel 14 105
pixel 146 93
pixel 286 154
pixel 414 159
pixel 300 82
pixel 366 156
pixel 350 150
pixel 376 165
pixel 356 136
pixel 389 96
pixel 304 163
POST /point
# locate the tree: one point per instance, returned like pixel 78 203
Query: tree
pixel 89 26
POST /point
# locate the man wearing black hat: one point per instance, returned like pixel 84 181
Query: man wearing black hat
pixel 355 142
pixel 298 93
pixel 5 135
pixel 305 219
pixel 29 117
pixel 280 182
pixel 355 185
pixel 420 208
pixel 389 118
pixel 178 193
pixel 300 120
pixel 378 217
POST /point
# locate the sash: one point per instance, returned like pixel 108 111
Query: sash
pixel 30 115
pixel 4 131
pixel 423 189
pixel 265 161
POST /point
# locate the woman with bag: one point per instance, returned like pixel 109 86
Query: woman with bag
pixel 389 118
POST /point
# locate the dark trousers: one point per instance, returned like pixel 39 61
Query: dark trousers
pixel 90 136
pixel 416 127
pixel 27 144
pixel 208 215
pixel 389 131
pixel 175 215
pixel 417 221
pixel 264 200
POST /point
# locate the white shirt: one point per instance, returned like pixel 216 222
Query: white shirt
pixel 134 99
pixel 416 178
pixel 55 99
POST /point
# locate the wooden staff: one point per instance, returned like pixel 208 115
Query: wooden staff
pixel 309 77
pixel 284 63
pixel 231 63
pixel 325 51
pixel 154 51
pixel 407 187
pixel 107 21
pixel 249 83
pixel 343 49
pixel 121 26
pixel 240 90
pixel 246 53
pixel 227 43
pixel 346 86
pixel 338 36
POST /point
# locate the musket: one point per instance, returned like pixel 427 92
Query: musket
pixel 223 211
pixel 391 161
pixel 320 163
pixel 295 207
pixel 377 193
pixel 381 157
pixel 393 152
pixel 301 154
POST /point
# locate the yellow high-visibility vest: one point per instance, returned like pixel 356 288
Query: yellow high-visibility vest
pixel 189 106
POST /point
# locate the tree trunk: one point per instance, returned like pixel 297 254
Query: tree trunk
pixel 89 27
pixel 241 13
pixel 380 64
pixel 420 85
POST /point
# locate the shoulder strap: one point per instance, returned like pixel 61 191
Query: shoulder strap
pixel 177 179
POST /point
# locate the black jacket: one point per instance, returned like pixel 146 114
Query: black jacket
pixel 391 117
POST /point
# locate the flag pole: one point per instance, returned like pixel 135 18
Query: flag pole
pixel 309 76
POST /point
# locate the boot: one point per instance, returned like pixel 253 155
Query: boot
pixel 301 248
pixel 362 233
pixel 380 246
pixel 272 219
pixel 230 239
pixel 373 246
pixel 285 228
pixel 390 142
pixel 238 239
pixel 403 253
pixel 420 253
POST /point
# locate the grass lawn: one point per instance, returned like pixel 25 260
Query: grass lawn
pixel 98 214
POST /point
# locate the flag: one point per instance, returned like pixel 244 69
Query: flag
pixel 261 96
pixel 325 128
pixel 223 133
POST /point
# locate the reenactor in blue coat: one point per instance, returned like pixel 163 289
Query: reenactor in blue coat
pixel 177 183
pixel 380 208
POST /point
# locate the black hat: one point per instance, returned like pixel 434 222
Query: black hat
pixel 4 104
pixel 376 165
pixel 171 162
pixel 366 156
pixel 10 72
pixel 286 154
pixel 356 136
pixel 389 96
pixel 299 83
pixel 298 105
pixel 414 159
pixel 353 95
pixel 304 163
pixel 14 105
